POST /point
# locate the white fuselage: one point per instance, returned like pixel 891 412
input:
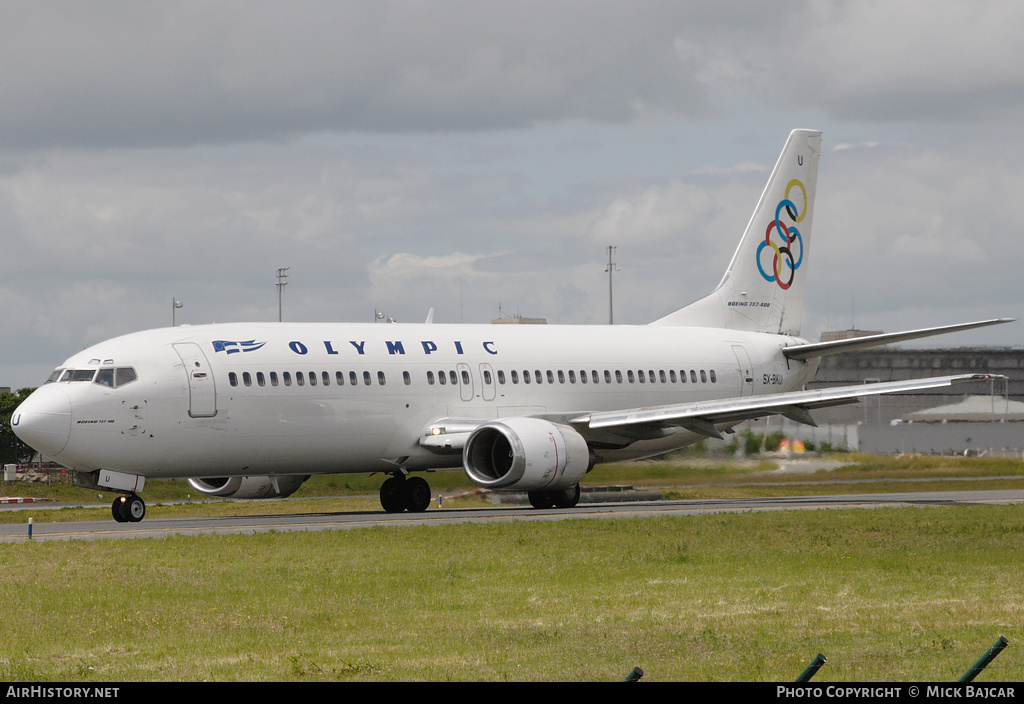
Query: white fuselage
pixel 274 399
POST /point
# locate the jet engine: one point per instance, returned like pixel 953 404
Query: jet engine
pixel 525 454
pixel 248 487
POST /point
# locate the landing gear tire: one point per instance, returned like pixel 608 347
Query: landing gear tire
pixel 392 495
pixel 135 508
pixel 116 509
pixel 563 498
pixel 541 499
pixel 417 495
pixel 128 509
pixel 567 498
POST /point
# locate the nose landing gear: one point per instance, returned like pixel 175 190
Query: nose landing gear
pixel 129 508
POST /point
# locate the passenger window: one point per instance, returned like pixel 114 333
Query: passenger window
pixel 714 379
pixel 406 378
pixel 353 379
pixel 572 376
pixel 672 375
pixel 430 378
pixel 618 376
pixel 247 378
pixel 380 379
pixel 501 376
pixel 366 378
pixel 260 379
pixel 487 377
pixel 515 376
pixel 703 377
pixel 442 378
pixel 465 377
pixel 312 378
pixel 551 377
pixel 640 375
pixel 693 376
pixel 287 376
pixel 232 379
pixel 273 378
pixel 537 376
pixel 339 378
pixel 526 376
pixel 300 379
pixel 326 378
pixel 561 377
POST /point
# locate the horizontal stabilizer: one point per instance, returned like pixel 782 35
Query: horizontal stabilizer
pixel 821 349
pixel 703 416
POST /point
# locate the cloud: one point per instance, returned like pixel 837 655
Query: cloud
pixel 464 155
pixel 177 73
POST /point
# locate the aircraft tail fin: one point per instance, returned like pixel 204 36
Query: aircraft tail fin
pixel 763 287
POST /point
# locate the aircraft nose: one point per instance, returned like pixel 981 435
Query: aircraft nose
pixel 43 421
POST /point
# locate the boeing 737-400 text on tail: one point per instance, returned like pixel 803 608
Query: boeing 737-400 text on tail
pixel 251 410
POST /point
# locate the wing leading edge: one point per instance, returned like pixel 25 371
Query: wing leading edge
pixel 703 417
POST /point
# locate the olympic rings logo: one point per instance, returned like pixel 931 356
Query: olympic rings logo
pixel 784 263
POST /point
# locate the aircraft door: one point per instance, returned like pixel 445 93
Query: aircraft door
pixel 746 370
pixel 202 392
pixel 465 382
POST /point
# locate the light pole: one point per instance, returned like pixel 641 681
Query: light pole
pixel 281 283
pixel 611 268
pixel 175 304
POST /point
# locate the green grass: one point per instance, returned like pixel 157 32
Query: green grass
pixel 890 594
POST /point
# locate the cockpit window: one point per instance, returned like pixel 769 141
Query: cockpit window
pixel 107 376
pixel 78 375
pixel 116 377
pixel 125 375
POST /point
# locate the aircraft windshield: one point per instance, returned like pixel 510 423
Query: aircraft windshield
pixel 112 377
pixel 78 375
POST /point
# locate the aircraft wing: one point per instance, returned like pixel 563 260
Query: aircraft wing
pixel 703 416
pixel 449 435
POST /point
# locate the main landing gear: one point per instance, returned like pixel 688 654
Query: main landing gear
pixel 565 498
pixel 129 508
pixel 399 494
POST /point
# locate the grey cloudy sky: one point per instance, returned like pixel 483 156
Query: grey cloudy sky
pixel 463 155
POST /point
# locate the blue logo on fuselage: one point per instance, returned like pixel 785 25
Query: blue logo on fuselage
pixel 230 347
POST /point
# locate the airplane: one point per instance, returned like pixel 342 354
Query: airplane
pixel 252 410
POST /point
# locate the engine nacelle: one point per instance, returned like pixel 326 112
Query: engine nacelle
pixel 525 454
pixel 248 487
